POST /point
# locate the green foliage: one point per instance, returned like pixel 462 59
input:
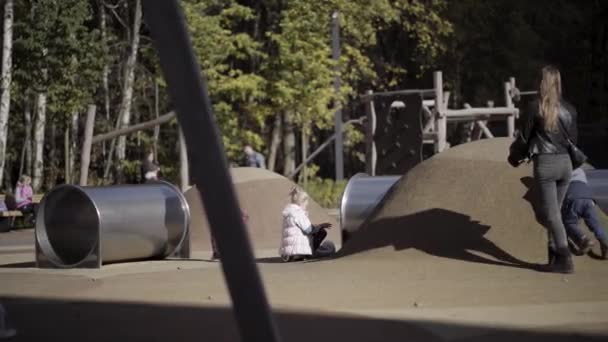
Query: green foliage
pixel 326 192
pixel 56 52
pixel 224 51
pixel 494 40
pixel 284 65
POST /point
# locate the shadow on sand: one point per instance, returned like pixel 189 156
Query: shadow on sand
pixel 437 232
pixel 70 320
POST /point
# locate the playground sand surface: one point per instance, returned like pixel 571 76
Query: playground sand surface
pixel 448 256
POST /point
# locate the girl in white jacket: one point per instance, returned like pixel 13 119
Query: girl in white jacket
pixel 301 239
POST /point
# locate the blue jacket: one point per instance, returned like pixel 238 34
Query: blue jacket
pixel 256 160
pixel 578 188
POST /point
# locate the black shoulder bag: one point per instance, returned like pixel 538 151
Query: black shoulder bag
pixel 577 157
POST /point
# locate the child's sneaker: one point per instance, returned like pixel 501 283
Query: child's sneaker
pixel 604 249
pixel 585 245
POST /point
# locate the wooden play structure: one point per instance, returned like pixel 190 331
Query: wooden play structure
pixel 89 140
pixel 394 140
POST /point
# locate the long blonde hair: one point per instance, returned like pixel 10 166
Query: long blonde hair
pixel 550 95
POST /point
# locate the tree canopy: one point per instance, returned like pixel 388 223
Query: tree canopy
pixel 271 73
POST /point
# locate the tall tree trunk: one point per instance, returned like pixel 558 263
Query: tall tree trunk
pixel 73 151
pixel 39 127
pixel 289 144
pixel 106 69
pixel 127 95
pixel 66 156
pixel 156 115
pixel 28 137
pixel 275 142
pixel 25 161
pixel 5 84
pixel 303 173
pixel 52 168
pixel 8 181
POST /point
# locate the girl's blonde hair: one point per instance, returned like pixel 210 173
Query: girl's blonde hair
pixel 298 196
pixel 550 94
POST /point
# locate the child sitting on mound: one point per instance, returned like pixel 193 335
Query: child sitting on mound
pixel 301 239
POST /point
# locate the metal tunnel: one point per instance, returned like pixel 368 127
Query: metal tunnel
pixel 361 196
pixel 86 227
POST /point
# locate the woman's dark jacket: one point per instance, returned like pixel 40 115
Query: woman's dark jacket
pixel 533 138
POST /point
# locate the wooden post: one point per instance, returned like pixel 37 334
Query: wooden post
pixel 184 171
pixel 370 146
pixel 335 52
pixel 509 103
pixel 442 122
pixel 85 158
pixel 303 174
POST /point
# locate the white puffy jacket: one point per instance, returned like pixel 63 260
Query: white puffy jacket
pixel 297 228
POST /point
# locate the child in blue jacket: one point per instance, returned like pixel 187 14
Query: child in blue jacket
pixel 579 204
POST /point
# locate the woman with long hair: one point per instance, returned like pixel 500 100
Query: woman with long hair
pixel 544 139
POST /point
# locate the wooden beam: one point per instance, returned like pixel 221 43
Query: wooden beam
pixel 442 122
pixel 183 162
pixel 370 129
pixel 479 111
pixel 85 157
pixel 493 117
pixel 134 128
pixel 428 103
pixel 424 92
pixel 509 103
pixel 485 129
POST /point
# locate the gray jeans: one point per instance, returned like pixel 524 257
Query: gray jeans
pixel 552 174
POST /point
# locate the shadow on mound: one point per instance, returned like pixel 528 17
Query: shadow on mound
pixel 437 232
pixel 532 196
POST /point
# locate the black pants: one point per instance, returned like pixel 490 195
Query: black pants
pixel 317 239
pixel 29 213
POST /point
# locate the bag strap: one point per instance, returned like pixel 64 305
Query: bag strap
pixel 564 130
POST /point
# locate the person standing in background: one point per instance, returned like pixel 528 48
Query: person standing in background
pixel 254 158
pixel 149 169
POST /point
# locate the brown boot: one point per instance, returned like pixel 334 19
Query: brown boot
pixel 562 262
pixel 550 254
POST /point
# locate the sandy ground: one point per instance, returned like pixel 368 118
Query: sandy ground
pixel 414 286
pixel 354 297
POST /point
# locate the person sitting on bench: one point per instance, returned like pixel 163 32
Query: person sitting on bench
pixel 301 239
pixel 24 197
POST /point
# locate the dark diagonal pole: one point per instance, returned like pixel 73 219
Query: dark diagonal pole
pixel 188 90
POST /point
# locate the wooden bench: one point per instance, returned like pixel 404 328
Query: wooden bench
pixel 35 199
pixel 8 218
